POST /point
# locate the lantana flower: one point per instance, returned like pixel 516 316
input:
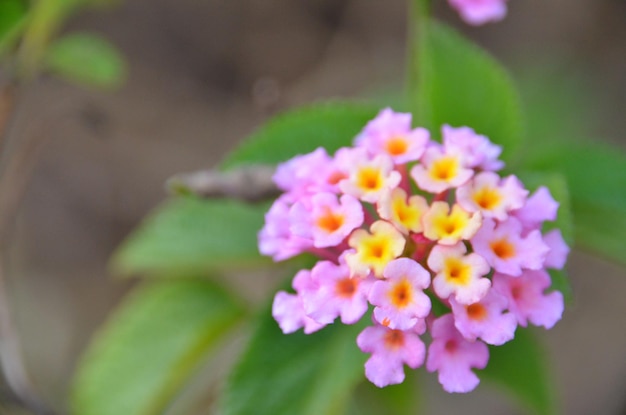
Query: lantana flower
pixel 427 236
pixel 478 12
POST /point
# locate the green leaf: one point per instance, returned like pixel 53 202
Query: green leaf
pixel 461 85
pixel 596 175
pixel 12 19
pixel 151 346
pixel 402 399
pixel 300 131
pixel 86 59
pixel 296 373
pixel 189 236
pixel 12 12
pixel 519 367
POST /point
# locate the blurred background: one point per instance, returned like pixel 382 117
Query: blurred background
pixel 202 75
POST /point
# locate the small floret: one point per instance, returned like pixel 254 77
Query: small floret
pixel 368 179
pixel 449 227
pixel 440 170
pixel 506 250
pixel 405 214
pixel 528 300
pixel 485 319
pixel 373 250
pixel 390 133
pixel 391 350
pixel 492 196
pixel 399 298
pixel 454 357
pixel 479 12
pixel 327 221
pixel 458 274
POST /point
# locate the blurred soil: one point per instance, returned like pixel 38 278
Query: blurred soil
pixel 202 75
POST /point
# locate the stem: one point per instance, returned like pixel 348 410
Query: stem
pixel 419 17
pixel 13 180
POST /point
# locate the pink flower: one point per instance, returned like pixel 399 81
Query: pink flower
pixel 506 250
pixel 528 300
pixel 288 312
pixel 390 133
pixel 405 215
pixel 458 274
pixel 373 250
pixel 334 294
pixel 368 179
pixel 449 226
pixel 304 173
pixel 492 196
pixel 485 319
pixel 557 256
pixel 454 357
pixel 478 12
pixel 276 239
pixel 391 350
pixel 327 221
pixel 539 207
pixel 477 150
pixel 440 170
pixel 399 298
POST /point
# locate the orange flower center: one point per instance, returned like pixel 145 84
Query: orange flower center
pixel 487 198
pixel 335 177
pixel 394 339
pixel 401 294
pixel 346 287
pixel 445 168
pixel 330 221
pixel 503 249
pixel 397 146
pixel 369 179
pixel 476 311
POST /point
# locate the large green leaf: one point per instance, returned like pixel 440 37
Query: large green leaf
pixel 12 18
pixel 86 59
pixel 189 236
pixel 295 374
pixel 12 12
pixel 519 367
pixel 300 131
pixel 461 85
pixel 151 346
pixel 596 174
pixel 402 399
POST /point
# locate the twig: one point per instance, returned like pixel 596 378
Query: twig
pixel 249 183
pixel 13 180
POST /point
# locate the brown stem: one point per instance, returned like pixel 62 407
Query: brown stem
pixel 7 106
pixel 13 180
pixel 249 183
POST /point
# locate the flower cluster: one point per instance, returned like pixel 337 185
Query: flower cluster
pixel 401 222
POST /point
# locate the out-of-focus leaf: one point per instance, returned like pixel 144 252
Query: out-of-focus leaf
pixel 151 346
pixel 86 59
pixel 295 374
pixel 557 185
pixel 402 399
pixel 461 85
pixel 596 174
pixel 189 236
pixel 12 12
pixel 300 131
pixel 519 367
pixel 12 17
